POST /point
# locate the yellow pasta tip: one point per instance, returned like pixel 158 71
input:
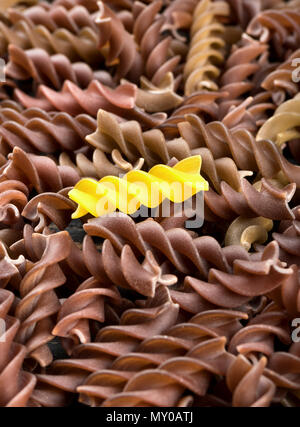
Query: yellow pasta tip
pixel 137 188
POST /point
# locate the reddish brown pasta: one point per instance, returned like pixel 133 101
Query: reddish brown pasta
pixel 239 145
pixel 273 202
pixel 166 385
pixel 160 53
pixel 259 335
pixel 136 325
pixel 233 290
pixel 101 386
pixel 278 27
pixel 50 70
pixel 16 385
pixel 39 302
pixel 283 370
pixel 175 245
pixel 249 384
pixel 38 172
pixel 73 100
pixel 35 131
pixel 55 18
pixel 288 239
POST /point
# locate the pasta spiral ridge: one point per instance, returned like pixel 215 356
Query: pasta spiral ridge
pixel 173 377
pixel 81 46
pixel 205 47
pixel 50 70
pixel 136 325
pixel 128 139
pixel 38 172
pixel 259 335
pixel 279 28
pixel 248 279
pixel 39 302
pixel 101 387
pixel 90 5
pixel 8 3
pixel 260 156
pixel 54 18
pixel 16 385
pixel 42 132
pixel 175 245
pixel 249 383
pixel 74 101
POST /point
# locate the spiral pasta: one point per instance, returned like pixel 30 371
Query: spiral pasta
pixel 37 290
pixel 12 201
pixel 177 341
pixel 232 203
pixel 74 101
pixel 16 385
pixel 279 369
pixel 175 245
pixel 279 27
pixel 35 131
pixel 205 48
pixel 138 188
pixel 136 325
pixel 118 45
pixel 75 46
pixel 127 139
pixel 282 126
pixel 160 52
pixel 249 384
pixel 38 172
pixel 262 156
pixel 176 375
pixel 280 81
pixel 245 63
pixel 8 3
pixel 259 335
pixel 54 18
pixel 234 290
pixel 50 70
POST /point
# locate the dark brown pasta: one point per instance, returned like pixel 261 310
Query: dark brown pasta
pixel 16 385
pixel 35 131
pixel 39 302
pixel 54 18
pixel 101 386
pixel 136 325
pixel 50 70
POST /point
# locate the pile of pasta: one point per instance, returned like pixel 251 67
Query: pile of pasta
pixel 118 310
